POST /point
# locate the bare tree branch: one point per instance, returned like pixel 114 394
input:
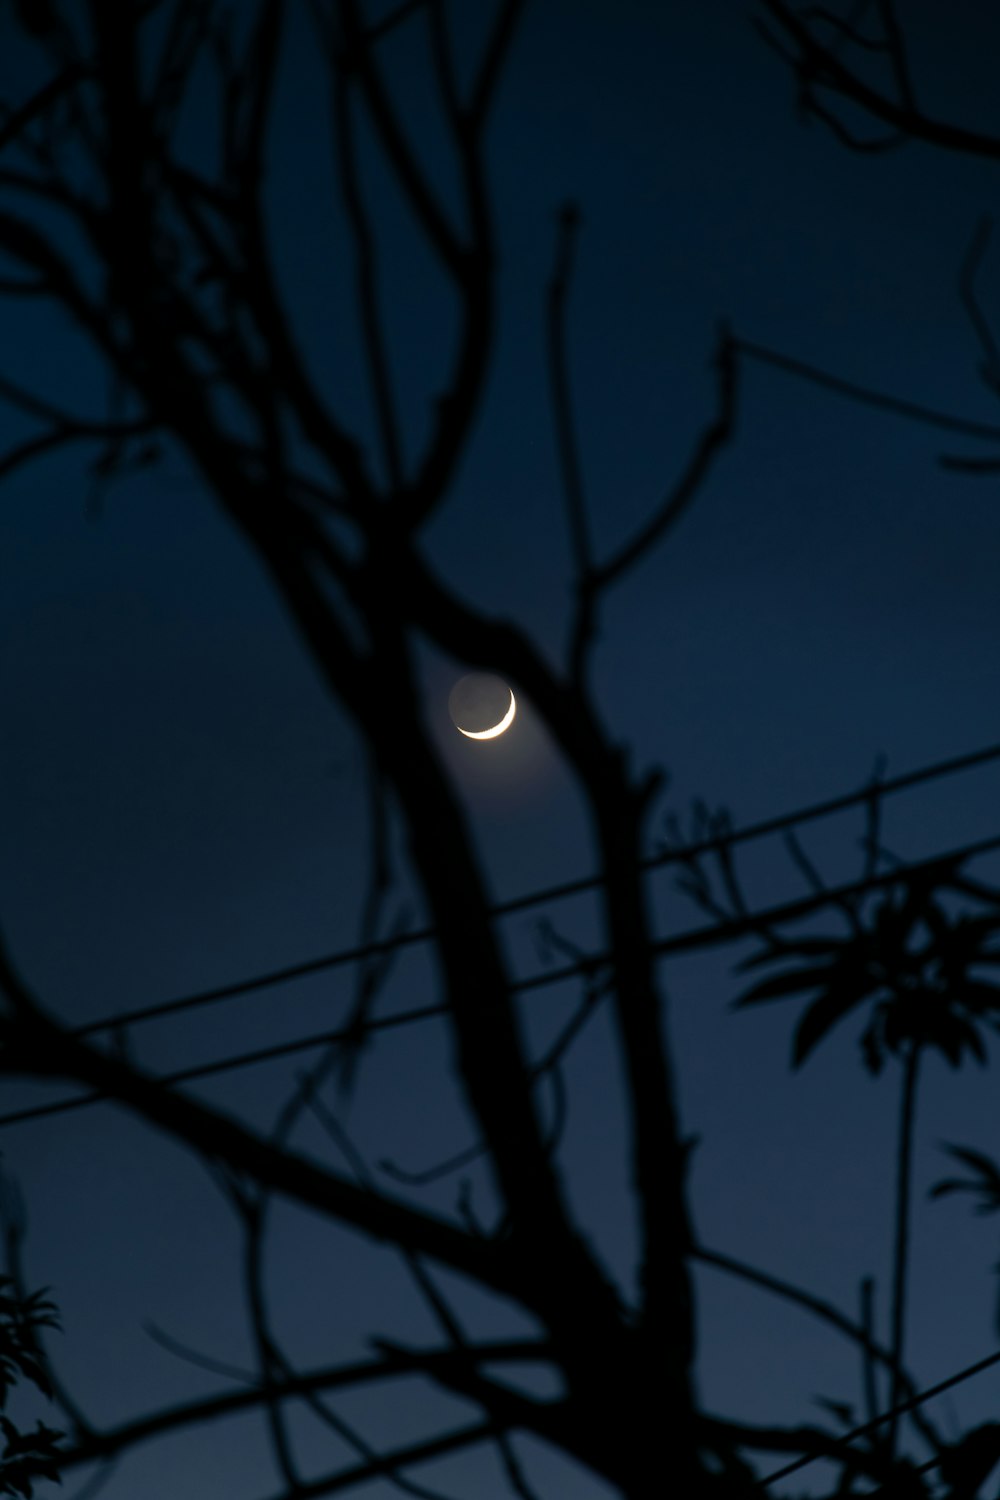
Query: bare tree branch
pixel 15 122
pixel 101 1444
pixel 714 438
pixel 817 66
pixel 360 57
pixel 566 440
pixel 390 1463
pixel 867 397
pixel 504 27
pixel 36 1044
pixel 826 1311
pixel 366 273
pixel 193 319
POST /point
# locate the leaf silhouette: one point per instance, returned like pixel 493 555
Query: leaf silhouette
pixel 973 1040
pixel 978 996
pixel 28 1456
pixel 824 1013
pixel 793 982
pixel 949 1185
pixel 977 1160
pixel 911 958
pixel 962 943
pixel 987 1172
pixel 871 1048
pixel 803 948
pixel 965 1466
pixel 951 1033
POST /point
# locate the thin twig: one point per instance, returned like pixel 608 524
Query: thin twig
pixel 409 174
pixel 567 446
pixel 868 1374
pixel 390 1366
pixel 203 1361
pixel 504 27
pixel 910 1405
pixel 385 1465
pixel 866 396
pixel 444 66
pixel 813 60
pixel 714 437
pixel 902 1236
pixel 402 12
pixel 366 274
pixel 562 403
pixel 971 266
pixel 896 46
pixel 826 1311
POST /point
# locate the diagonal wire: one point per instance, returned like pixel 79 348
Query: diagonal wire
pixel 863 1431
pixel 359 952
pixel 706 936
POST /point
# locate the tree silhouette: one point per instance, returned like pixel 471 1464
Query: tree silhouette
pixel 174 285
pixel 917 967
pixel 28 1454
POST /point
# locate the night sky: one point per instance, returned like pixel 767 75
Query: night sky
pixel 181 804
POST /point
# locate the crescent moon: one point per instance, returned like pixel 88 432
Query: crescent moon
pixel 491 734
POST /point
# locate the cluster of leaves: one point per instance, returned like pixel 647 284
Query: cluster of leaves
pixel 20 1320
pixel 913 960
pixel 923 972
pixel 984 1184
pixel 26 1456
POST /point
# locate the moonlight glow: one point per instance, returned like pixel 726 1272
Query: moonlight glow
pixel 482 707
pixel 491 734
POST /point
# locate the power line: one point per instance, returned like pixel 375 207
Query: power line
pixel 904 1406
pixel 694 938
pixel 358 953
pixel 231 1063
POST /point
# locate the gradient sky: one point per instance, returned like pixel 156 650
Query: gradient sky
pixel 181 805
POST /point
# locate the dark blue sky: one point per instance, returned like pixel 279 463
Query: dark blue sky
pixel 181 805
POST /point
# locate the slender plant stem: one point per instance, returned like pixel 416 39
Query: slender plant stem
pixel 903 1173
